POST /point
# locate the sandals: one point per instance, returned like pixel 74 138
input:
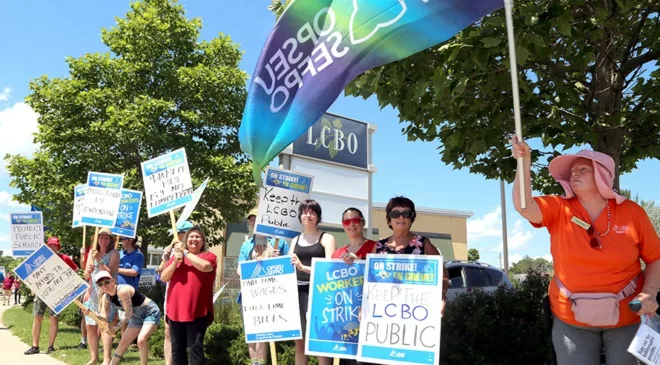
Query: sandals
pixel 32 350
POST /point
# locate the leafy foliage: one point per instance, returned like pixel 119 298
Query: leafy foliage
pixel 651 208
pixel 527 263
pixel 158 89
pixel 481 328
pixel 473 254
pixel 587 72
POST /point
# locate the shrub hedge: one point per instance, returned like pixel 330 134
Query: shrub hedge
pixel 500 328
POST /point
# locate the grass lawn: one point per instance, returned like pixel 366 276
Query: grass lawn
pixel 19 321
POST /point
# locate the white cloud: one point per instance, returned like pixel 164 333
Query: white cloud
pixel 518 237
pixel 4 238
pixel 18 124
pixel 6 201
pixel 4 216
pixel 488 226
pixel 4 95
pixel 515 258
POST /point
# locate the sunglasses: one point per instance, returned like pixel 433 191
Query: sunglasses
pixel 103 283
pixel 398 213
pixel 594 241
pixel 348 222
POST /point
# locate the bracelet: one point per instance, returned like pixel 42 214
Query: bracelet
pixel 185 252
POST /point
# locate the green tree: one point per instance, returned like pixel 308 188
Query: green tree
pixel 586 75
pixel 539 265
pixel 158 89
pixel 651 208
pixel 473 254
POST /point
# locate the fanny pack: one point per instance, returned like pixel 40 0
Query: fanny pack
pixel 597 309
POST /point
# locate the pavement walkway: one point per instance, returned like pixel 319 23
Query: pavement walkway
pixel 12 348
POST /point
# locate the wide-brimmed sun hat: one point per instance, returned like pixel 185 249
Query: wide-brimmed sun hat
pixel 560 169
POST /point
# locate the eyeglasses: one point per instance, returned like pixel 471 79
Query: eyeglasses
pixel 594 241
pixel 348 222
pixel 398 213
pixel 103 283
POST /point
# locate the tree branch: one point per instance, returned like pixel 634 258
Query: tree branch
pixel 638 61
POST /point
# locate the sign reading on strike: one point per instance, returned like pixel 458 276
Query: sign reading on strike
pixel 279 201
pixel 167 182
pixel 51 279
pixel 102 198
pixel 335 298
pixel 400 310
pixel 269 296
pixel 27 233
pixel 129 213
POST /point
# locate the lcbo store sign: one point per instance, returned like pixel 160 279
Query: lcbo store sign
pixel 336 139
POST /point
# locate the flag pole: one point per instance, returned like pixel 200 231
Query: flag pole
pixel 508 8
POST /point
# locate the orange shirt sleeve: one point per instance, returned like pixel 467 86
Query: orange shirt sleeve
pixel 649 242
pixel 550 206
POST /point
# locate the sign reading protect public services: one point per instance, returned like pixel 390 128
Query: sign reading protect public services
pixel 27 233
pixel 336 139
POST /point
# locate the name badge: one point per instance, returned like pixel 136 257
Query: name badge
pixel 580 222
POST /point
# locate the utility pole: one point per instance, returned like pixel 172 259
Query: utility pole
pixel 500 258
pixel 505 244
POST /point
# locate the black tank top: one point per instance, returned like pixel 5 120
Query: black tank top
pixel 137 299
pixel 305 255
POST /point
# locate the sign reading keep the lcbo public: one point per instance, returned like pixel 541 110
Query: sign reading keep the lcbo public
pixel 78 200
pixel 269 297
pixel 400 310
pixel 129 213
pixel 102 199
pixel 51 279
pixel 335 139
pixel 27 233
pixel 335 298
pixel 279 201
pixel 167 182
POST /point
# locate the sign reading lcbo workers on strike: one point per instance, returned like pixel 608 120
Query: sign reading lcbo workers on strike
pixel 27 233
pixel 279 200
pixel 51 279
pixel 102 198
pixel 400 310
pixel 335 139
pixel 167 182
pixel 335 299
pixel 129 213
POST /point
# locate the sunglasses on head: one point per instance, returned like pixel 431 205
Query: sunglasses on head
pixel 349 221
pixel 103 283
pixel 399 213
pixel 594 241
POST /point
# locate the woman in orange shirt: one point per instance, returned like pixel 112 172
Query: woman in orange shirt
pixel 597 239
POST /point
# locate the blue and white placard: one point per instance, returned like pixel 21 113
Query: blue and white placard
pixel 401 310
pixel 269 296
pixel 280 198
pixel 102 198
pixel 167 182
pixel 129 213
pixel 51 279
pixel 27 233
pixel 335 298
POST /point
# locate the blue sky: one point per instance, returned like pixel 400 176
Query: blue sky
pixel 38 36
